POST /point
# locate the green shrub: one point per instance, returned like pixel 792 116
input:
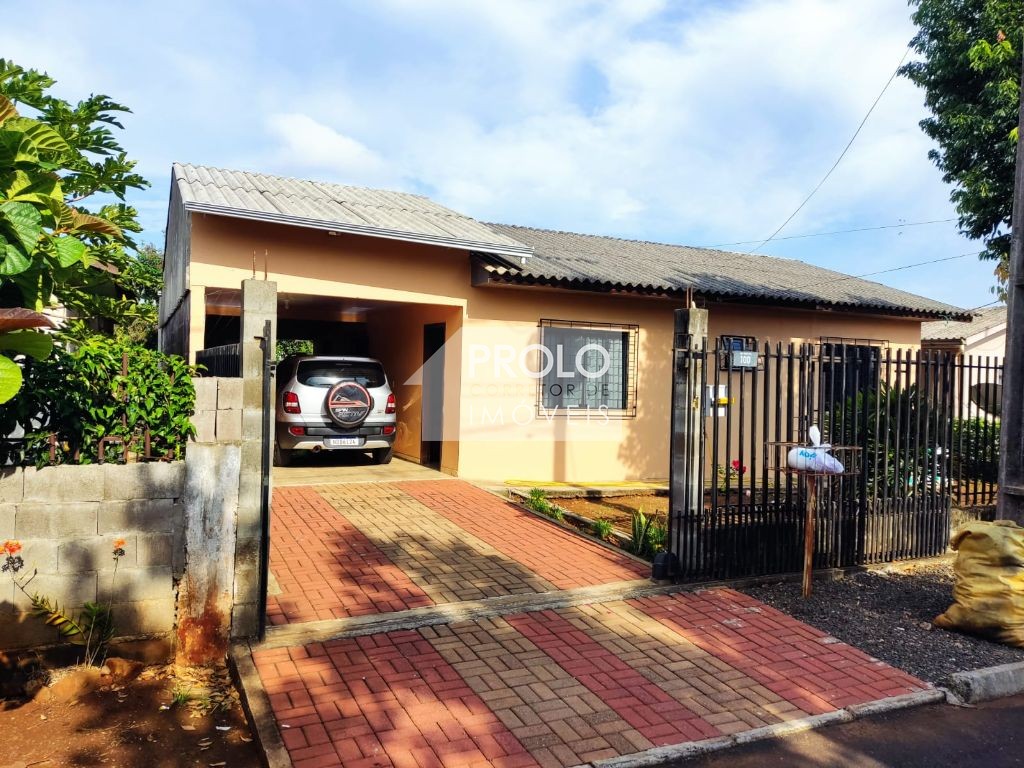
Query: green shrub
pixel 601 528
pixel 976 449
pixel 538 501
pixel 98 387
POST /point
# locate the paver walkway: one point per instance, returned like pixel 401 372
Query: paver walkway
pixel 538 688
pixel 355 549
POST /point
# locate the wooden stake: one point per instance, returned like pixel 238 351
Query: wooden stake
pixel 812 503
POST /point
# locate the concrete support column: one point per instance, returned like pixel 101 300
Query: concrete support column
pixel 259 304
pixel 196 309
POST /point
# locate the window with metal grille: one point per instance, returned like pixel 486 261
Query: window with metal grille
pixel 587 368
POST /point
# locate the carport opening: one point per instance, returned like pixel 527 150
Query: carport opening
pixel 407 338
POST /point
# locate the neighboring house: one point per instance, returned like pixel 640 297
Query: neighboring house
pixel 982 343
pixel 392 275
pixel 983 334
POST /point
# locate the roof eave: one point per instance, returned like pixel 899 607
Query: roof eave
pixel 499 280
pixel 355 229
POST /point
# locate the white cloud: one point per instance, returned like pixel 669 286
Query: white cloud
pixel 304 143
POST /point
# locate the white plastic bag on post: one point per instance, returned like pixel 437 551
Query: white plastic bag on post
pixel 815 457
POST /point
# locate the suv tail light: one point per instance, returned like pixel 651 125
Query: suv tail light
pixel 291 403
pixel 388 430
pixel 390 408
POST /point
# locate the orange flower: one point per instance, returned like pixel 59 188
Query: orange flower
pixel 12 547
pixel 119 543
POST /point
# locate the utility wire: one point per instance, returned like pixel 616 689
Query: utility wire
pixel 886 271
pixel 839 159
pixel 836 232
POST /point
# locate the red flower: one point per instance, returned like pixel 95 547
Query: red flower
pixel 118 543
pixel 737 467
pixel 12 547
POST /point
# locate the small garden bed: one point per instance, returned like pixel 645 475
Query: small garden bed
pixel 122 714
pixel 888 613
pixel 618 521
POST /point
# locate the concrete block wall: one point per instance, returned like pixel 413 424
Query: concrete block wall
pixel 67 519
pixel 218 416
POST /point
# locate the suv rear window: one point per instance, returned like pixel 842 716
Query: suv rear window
pixel 325 373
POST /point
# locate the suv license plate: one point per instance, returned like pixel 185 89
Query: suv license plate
pixel 342 442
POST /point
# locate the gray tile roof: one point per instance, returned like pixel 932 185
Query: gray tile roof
pixel 942 330
pixel 575 260
pixel 377 213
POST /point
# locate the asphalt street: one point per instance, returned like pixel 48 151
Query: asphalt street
pixel 987 735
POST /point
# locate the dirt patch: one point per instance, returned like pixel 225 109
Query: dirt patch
pixel 618 510
pixel 888 614
pixel 131 723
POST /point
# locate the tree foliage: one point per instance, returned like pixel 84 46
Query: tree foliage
pixel 62 242
pixel 971 77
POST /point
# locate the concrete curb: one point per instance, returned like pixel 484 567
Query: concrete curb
pixel 469 610
pixel 988 683
pixel 660 755
pixel 257 708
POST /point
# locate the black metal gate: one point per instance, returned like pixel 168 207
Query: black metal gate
pixel 736 512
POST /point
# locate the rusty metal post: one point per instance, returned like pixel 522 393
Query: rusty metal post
pixel 812 508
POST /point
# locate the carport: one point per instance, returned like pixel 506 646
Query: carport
pixel 408 338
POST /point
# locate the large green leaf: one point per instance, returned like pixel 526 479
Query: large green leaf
pixel 13 261
pixel 69 250
pixel 43 136
pixel 16 149
pixel 86 222
pixel 24 221
pixel 10 378
pixel 42 188
pixel 31 343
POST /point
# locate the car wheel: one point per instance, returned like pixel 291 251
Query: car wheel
pixel 383 455
pixel 282 456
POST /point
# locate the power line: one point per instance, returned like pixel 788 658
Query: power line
pixel 836 232
pixel 839 159
pixel 886 271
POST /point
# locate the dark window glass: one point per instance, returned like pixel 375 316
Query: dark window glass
pixel 325 373
pixel 574 352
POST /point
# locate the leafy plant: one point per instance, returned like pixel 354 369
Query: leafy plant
pixel 657 537
pixel 538 501
pixel 730 476
pixel 640 525
pixel 53 250
pixel 970 68
pixel 181 695
pixel 601 528
pixel 92 627
pixel 97 387
pixel 976 449
pixel 287 347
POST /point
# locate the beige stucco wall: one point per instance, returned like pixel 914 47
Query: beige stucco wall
pixel 491 427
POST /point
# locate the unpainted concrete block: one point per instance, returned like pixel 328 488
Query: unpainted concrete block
pixel 69 482
pixel 205 423
pixel 56 520
pixel 152 480
pixel 229 394
pixel 252 391
pixel 144 617
pixel 6 603
pixel 146 515
pixel 206 394
pixel 7 520
pixel 252 424
pixel 71 591
pixel 154 549
pixel 12 485
pixel 247 581
pixel 40 554
pixel 95 553
pixel 137 584
pixel 23 630
pixel 229 426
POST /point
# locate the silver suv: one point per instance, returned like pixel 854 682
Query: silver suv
pixel 334 404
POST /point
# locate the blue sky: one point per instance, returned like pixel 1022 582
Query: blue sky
pixel 687 122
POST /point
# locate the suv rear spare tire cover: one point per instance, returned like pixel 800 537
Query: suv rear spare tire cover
pixel 348 403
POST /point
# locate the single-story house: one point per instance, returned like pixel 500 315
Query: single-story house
pixel 550 352
pixel 983 333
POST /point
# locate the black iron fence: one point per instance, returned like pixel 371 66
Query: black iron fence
pixel 923 440
pixel 225 360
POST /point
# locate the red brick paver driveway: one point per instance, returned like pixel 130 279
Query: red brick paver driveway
pixel 543 688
